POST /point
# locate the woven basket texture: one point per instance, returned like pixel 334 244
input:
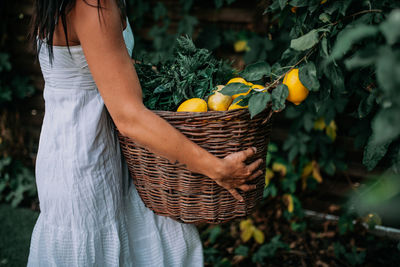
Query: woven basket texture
pixel 171 190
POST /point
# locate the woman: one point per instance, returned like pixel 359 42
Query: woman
pixel 91 214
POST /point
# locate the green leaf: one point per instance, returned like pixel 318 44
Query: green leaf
pixel 218 3
pixel 282 4
pixel 299 3
pixel 268 250
pixel 324 17
pixel 366 106
pixel 305 42
pixel 324 46
pixel 160 89
pixel 360 59
pixel 234 88
pixel 186 4
pixel 159 11
pixel 335 75
pixel 308 76
pixel 338 248
pixel 258 102
pixel 386 126
pixel 388 69
pixel 345 224
pixel 279 95
pixel 350 36
pixel 242 251
pixel 391 27
pixel 214 233
pixel 5 62
pixel 187 24
pixel 256 71
pixel 373 153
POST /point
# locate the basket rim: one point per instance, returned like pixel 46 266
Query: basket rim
pixel 200 114
pixel 211 113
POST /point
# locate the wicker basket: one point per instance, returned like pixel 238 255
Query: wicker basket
pixel 172 190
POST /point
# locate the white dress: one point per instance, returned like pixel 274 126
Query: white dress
pixel 91 213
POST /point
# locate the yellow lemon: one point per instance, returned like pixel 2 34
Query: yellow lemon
pixel 236 106
pixel 234 96
pixel 219 87
pixel 241 46
pixel 237 80
pixel 218 101
pixel 193 105
pixel 297 91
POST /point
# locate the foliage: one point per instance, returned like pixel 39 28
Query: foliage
pixel 268 250
pixel 328 42
pixel 12 86
pixel 192 72
pixel 163 39
pixel 353 256
pixel 16 182
pixel 383 60
pixel 16 178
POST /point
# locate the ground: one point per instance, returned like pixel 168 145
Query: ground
pixel 16 227
pixel 313 247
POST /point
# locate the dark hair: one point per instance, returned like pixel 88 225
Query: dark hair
pixel 46 16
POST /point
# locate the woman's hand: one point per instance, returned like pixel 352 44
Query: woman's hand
pixel 233 173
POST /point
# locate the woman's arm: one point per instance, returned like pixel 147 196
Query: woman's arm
pixel 100 35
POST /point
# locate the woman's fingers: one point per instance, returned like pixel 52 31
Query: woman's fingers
pixel 243 155
pixel 238 183
pixel 255 175
pixel 235 194
pixel 254 166
pixel 247 187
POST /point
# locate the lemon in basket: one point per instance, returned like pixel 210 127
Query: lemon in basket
pixel 218 101
pixel 248 92
pixel 193 105
pixel 237 80
pixel 297 91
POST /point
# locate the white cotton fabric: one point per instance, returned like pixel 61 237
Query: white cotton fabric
pixel 91 213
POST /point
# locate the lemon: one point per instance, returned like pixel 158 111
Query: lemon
pixel 219 87
pixel 237 80
pixel 297 91
pixel 241 46
pixel 236 106
pixel 218 101
pixel 193 105
pixel 234 96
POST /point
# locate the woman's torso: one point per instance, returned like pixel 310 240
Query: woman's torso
pixel 78 166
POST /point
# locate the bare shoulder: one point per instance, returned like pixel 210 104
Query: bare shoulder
pixel 91 17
